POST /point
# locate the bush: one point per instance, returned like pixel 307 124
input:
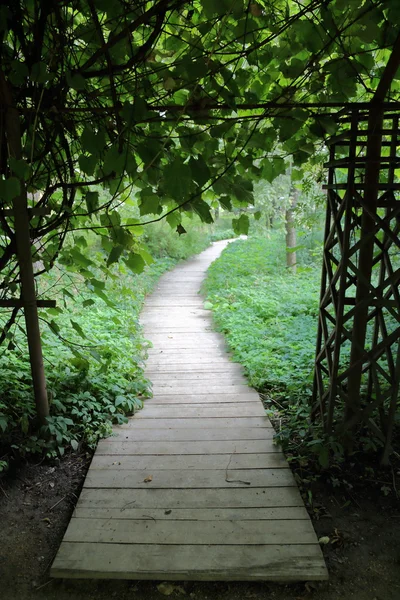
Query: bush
pixel 94 354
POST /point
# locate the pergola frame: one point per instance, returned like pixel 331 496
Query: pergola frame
pixel 357 367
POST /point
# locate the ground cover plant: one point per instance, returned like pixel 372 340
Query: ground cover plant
pixel 94 352
pixel 269 318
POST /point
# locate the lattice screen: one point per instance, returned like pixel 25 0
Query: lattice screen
pixel 357 295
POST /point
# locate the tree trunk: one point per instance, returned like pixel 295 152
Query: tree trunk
pixel 24 255
pixel 291 239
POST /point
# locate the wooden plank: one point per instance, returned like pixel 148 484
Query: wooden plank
pixel 198 387
pixel 189 354
pixel 227 533
pixel 176 366
pixel 157 411
pixel 176 462
pixel 201 423
pixel 114 447
pixel 147 498
pixel 248 396
pixel 188 380
pixel 228 376
pixel 161 434
pixel 189 479
pixel 122 561
pixel 291 513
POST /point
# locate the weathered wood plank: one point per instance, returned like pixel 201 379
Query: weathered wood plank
pixel 112 446
pixel 174 366
pixel 193 434
pixel 248 396
pixel 122 561
pixel 157 411
pixel 234 461
pixel 190 381
pixel 185 479
pixel 147 498
pixel 229 375
pixel 227 533
pixel 193 388
pixel 200 423
pixel 291 513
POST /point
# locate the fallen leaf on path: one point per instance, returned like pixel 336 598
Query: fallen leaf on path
pixel 324 540
pixel 148 479
pixel 166 589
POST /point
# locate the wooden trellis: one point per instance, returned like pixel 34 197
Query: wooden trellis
pixel 357 370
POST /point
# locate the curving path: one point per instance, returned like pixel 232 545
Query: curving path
pixel 193 486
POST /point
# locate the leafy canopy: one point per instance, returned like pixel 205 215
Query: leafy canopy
pixel 163 107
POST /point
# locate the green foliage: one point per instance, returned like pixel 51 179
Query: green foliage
pixel 269 319
pixel 158 119
pixel 94 359
pixel 162 241
pixel 268 316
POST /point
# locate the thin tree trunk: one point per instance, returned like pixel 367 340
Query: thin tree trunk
pixel 291 238
pixel 24 255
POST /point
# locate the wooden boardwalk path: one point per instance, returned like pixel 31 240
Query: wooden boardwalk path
pixel 192 487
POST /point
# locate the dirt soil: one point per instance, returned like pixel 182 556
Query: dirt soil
pixel 36 502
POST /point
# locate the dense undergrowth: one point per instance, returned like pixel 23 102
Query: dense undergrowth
pixel 269 318
pixel 94 354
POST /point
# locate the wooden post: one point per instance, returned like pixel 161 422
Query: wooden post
pixel 24 255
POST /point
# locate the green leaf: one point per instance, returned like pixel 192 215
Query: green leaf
pixel 80 259
pixel 241 225
pixel 39 72
pixel 114 161
pixel 177 180
pixel 200 171
pixel 148 259
pixel 20 168
pixel 203 210
pixel 9 189
pixel 87 164
pixel 54 327
pixel 114 255
pixel 136 112
pixel 76 81
pixel 78 329
pixel 74 445
pixel 208 305
pixel 135 262
pixel 149 202
pixel 225 202
pixel 218 131
pixel 257 215
pixel 93 142
pixel 174 219
pixel 19 73
pixel 273 168
pixel 92 201
pixel 180 230
pixel 88 302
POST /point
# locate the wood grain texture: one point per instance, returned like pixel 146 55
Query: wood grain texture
pixel 272 460
pixel 227 533
pixel 216 563
pixel 193 486
pixel 245 497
